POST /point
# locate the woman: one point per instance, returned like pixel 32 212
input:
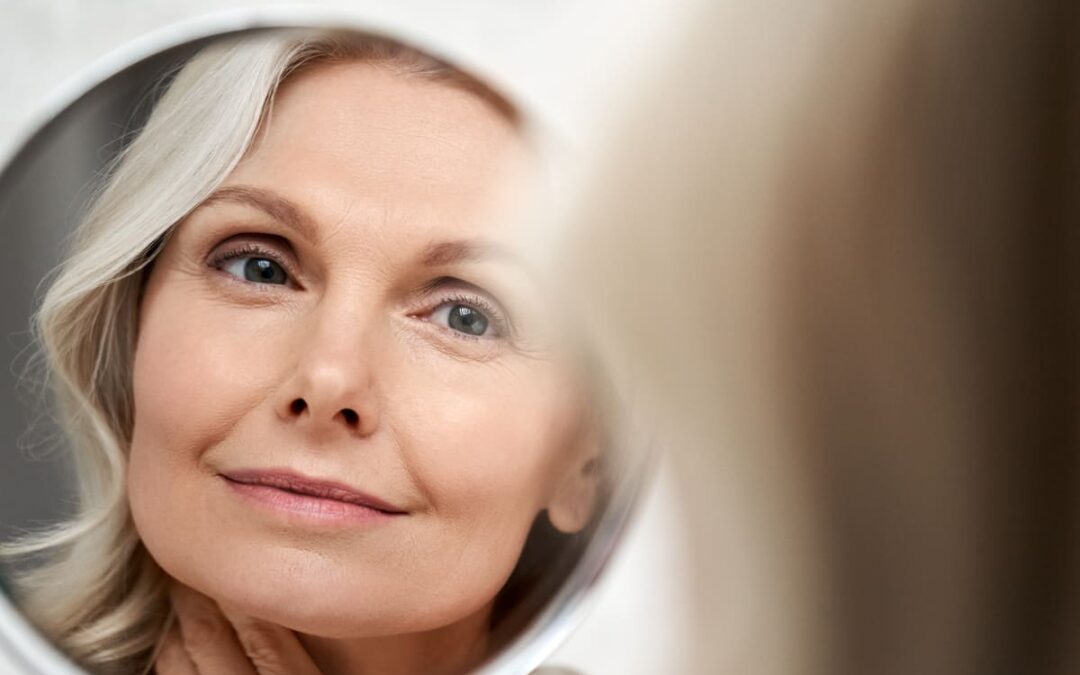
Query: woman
pixel 313 392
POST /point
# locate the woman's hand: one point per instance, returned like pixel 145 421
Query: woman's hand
pixel 207 640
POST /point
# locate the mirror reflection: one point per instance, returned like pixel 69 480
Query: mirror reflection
pixel 322 412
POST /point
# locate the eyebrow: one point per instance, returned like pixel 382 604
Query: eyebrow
pixel 275 206
pixel 435 254
pixel 447 253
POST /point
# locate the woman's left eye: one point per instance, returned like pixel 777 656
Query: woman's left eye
pixel 463 318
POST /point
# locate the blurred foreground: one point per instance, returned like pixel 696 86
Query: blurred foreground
pixel 834 243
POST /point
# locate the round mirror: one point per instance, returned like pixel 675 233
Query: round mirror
pixel 289 383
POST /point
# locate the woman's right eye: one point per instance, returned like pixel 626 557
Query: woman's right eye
pixel 257 270
pixel 254 265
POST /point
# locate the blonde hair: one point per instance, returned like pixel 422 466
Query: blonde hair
pixel 94 589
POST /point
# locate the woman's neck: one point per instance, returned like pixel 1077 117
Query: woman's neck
pixel 451 650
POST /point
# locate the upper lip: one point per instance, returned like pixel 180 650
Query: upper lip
pixel 306 485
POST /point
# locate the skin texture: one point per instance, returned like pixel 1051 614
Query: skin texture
pixel 352 371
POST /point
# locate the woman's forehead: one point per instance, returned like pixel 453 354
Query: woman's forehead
pixel 362 142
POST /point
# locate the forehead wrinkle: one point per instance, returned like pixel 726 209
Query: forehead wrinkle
pixel 340 225
pixel 378 245
pixel 362 243
pixel 437 137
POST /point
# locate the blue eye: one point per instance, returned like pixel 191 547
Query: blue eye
pixel 462 318
pixel 253 265
pixel 260 270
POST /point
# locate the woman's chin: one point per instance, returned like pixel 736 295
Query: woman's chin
pixel 334 614
pixel 323 615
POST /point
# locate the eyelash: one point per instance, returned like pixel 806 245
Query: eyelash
pixel 499 322
pixel 249 249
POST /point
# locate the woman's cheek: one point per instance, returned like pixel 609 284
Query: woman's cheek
pixel 194 374
pixel 168 423
pixel 485 451
pixel 201 362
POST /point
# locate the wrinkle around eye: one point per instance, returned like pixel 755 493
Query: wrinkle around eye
pixel 226 288
pixel 503 350
pixel 423 335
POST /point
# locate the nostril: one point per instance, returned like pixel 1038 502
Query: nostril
pixel 351 418
pixel 298 406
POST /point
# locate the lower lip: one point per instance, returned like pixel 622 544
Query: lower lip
pixel 306 507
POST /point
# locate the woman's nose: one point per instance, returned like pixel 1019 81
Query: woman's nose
pixel 332 390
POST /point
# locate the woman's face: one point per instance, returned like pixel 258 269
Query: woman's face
pixel 347 407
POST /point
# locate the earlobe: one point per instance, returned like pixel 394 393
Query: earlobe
pixel 574 500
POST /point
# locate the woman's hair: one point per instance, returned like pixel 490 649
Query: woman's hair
pixel 93 588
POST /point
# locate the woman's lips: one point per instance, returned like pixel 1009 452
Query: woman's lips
pixel 308 497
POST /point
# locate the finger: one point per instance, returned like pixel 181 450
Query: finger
pixel 273 649
pixel 207 637
pixel 171 658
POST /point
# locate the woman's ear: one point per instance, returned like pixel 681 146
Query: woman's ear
pixel 575 496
